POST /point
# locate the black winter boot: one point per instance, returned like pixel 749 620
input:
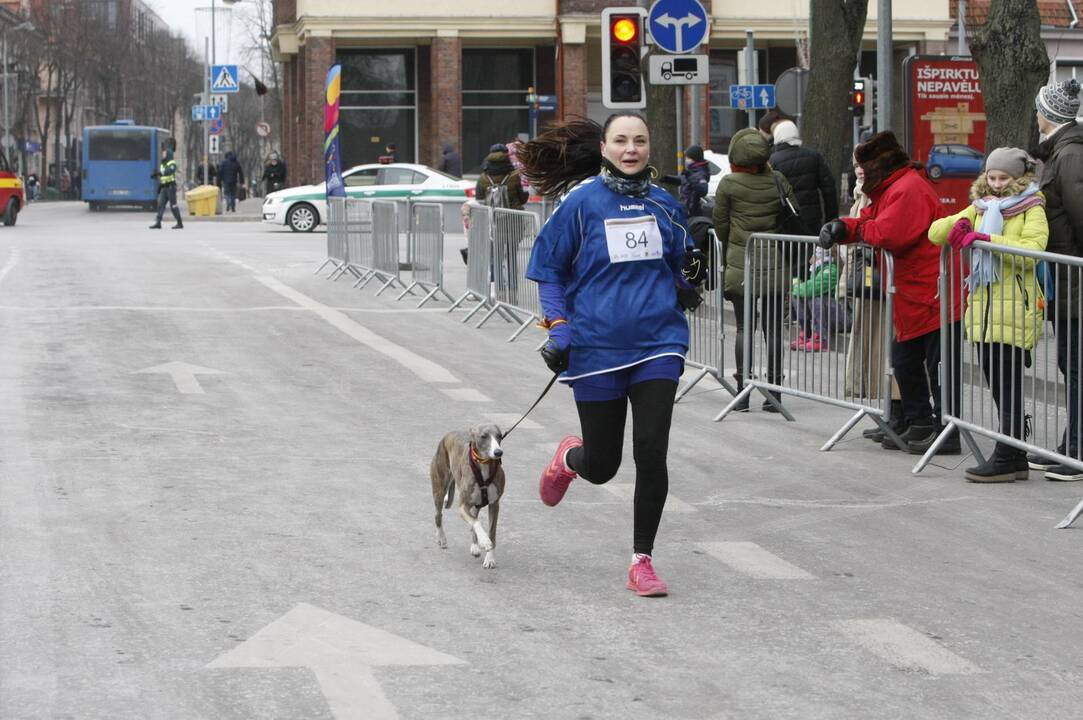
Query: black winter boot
pixel 768 406
pixel 1006 465
pixel 157 225
pixel 921 438
pixel 743 405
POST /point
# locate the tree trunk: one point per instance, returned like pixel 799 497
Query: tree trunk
pixel 836 27
pixel 1012 67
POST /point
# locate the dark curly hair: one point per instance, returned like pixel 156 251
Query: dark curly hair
pixel 566 154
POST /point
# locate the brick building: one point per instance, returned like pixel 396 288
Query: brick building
pixel 421 72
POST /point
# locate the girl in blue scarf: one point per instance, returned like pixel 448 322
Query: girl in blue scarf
pixel 1005 301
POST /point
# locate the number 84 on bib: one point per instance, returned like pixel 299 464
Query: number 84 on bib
pixel 633 239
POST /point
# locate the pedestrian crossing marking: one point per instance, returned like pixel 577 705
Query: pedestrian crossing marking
pixel 627 491
pixel 752 560
pixel 225 80
pixel 466 394
pixel 905 647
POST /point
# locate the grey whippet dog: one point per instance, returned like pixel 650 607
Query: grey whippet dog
pixel 470 462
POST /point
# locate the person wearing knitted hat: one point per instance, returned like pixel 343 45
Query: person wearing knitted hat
pixel 902 207
pixel 1061 151
pixel 1003 314
pixel 694 180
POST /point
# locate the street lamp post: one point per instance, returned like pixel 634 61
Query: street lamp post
pixel 27 25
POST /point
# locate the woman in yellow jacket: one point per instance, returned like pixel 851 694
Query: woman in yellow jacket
pixel 1005 302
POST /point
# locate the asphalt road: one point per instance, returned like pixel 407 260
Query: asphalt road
pixel 214 503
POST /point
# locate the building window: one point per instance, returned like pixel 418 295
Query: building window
pixel 495 82
pixel 723 117
pixel 378 105
pixel 1068 69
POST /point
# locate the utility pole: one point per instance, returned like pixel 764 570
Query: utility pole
pixel 206 102
pixel 662 120
pixel 961 7
pixel 750 71
pixel 884 65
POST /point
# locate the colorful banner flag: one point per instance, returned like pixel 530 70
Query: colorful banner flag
pixel 332 157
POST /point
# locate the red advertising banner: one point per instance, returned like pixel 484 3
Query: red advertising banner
pixel 945 123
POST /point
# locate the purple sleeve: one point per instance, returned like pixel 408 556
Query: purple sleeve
pixel 551 295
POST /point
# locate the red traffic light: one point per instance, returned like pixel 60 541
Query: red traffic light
pixel 859 97
pixel 624 29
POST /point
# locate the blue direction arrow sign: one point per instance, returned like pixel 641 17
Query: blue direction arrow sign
pixel 547 103
pixel 198 113
pixel 752 97
pixel 678 26
pixel 224 79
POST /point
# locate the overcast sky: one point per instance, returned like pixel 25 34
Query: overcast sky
pixel 183 18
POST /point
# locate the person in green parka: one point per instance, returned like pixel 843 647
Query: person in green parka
pixel 747 201
pixel 1005 304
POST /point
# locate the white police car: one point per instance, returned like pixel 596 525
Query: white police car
pixel 303 208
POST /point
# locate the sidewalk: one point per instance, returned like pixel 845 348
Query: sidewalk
pixel 249 210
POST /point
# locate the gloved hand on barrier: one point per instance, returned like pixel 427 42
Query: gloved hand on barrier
pixel 958 233
pixel 832 233
pixel 555 350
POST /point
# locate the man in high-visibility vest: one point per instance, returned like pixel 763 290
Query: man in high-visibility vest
pixel 167 189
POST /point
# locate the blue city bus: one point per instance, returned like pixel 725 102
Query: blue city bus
pixel 118 161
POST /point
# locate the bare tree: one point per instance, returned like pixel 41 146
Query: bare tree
pixel 1013 66
pixel 836 27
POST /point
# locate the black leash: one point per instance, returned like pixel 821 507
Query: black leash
pixel 531 409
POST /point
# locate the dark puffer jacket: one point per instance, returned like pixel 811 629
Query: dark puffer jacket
pixel 810 178
pixel 1062 183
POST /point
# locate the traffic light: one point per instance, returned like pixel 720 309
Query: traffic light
pixel 857 98
pixel 622 73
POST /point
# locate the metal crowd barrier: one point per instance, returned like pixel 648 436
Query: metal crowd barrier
pixel 479 245
pixel 1019 346
pixel 358 233
pixel 513 233
pixel 385 246
pixel 337 254
pixel 426 250
pixel 706 333
pixel 830 368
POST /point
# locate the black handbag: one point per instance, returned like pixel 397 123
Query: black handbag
pixel 788 221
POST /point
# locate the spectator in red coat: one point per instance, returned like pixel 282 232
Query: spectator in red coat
pixel 903 206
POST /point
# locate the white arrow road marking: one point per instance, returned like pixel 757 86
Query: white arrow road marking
pixel 424 368
pixel 627 491
pixel 341 654
pixel 905 647
pixel 13 258
pixel 183 374
pixel 751 559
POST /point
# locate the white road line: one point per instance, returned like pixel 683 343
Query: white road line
pixel 752 560
pixel 905 647
pixel 626 491
pixel 466 395
pixel 424 368
pixel 506 420
pixel 13 258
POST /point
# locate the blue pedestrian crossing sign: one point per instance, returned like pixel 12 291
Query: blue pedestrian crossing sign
pixel 224 79
pixel 752 97
pixel 678 26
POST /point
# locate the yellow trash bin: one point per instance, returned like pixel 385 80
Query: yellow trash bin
pixel 202 200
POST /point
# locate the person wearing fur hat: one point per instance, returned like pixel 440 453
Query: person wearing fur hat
pixel 1004 313
pixel 1061 151
pixel 902 207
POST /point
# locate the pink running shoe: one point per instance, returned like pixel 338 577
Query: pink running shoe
pixel 799 343
pixel 557 476
pixel 642 579
pixel 816 344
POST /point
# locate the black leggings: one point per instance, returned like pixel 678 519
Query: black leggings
pixel 603 441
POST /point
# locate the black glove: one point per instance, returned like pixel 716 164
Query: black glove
pixel 688 299
pixel 831 233
pixel 554 357
pixel 695 266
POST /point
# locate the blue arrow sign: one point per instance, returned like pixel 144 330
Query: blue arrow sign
pixel 752 97
pixel 678 26
pixel 224 79
pixel 198 113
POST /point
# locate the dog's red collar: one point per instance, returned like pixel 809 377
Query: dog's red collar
pixel 478 458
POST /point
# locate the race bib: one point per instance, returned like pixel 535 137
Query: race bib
pixel 632 239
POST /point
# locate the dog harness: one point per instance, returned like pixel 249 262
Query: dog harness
pixel 488 490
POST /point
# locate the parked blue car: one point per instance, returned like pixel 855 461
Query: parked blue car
pixel 954 161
